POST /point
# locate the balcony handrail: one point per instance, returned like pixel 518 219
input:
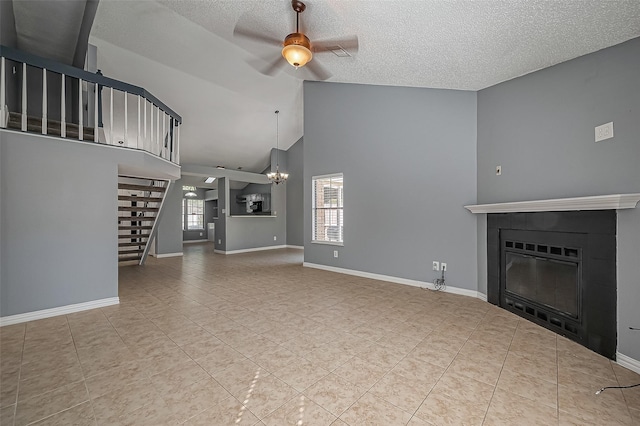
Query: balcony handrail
pixel 57 67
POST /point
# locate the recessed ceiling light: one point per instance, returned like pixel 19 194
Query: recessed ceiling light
pixel 209 180
pixel 220 167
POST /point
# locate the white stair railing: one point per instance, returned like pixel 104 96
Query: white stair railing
pixel 154 129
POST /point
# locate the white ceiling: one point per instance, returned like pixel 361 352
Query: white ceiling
pixel 184 52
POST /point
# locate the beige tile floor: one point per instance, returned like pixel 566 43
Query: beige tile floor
pixel 258 339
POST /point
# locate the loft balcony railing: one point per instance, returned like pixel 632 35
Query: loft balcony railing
pixel 45 96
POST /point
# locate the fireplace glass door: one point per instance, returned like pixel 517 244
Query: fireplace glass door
pixel 549 282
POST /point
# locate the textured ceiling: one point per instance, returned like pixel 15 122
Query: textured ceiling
pixel 210 77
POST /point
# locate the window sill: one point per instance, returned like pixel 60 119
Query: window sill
pixel 329 243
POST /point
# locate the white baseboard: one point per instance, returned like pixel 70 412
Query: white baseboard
pixel 161 255
pixel 62 310
pixel 482 296
pixel 397 280
pixel 249 250
pixel 295 247
pixel 628 362
pixel 195 241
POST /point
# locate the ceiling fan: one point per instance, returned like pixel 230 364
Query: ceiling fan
pixel 298 50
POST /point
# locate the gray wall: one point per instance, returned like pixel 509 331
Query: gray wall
pixel 254 231
pixel 169 235
pixel 295 195
pixel 58 221
pixel 8 36
pixel 540 129
pixel 409 161
pixel 629 282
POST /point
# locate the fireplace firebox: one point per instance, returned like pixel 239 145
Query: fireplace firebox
pixel 557 269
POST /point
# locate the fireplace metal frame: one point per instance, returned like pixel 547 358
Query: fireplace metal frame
pixel 571 247
pixel 596 231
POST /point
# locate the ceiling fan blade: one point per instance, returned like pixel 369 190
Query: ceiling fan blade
pixel 349 44
pixel 255 36
pixel 270 65
pixel 316 68
pixel 274 66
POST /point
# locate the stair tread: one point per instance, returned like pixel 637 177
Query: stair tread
pixel 134 227
pixel 137 209
pixel 135 187
pixel 137 218
pixel 132 244
pixel 129 259
pixel 131 251
pixel 127 236
pixel 135 198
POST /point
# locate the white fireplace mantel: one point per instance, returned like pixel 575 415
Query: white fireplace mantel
pixel 597 202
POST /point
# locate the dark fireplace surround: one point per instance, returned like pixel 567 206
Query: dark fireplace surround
pixel 557 269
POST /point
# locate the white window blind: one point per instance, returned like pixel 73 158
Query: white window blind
pixel 193 213
pixel 327 209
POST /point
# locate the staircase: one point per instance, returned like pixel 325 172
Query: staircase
pixel 139 205
pixel 54 127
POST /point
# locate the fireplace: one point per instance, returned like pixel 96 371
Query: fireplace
pixel 557 269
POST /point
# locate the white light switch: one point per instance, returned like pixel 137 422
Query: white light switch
pixel 604 132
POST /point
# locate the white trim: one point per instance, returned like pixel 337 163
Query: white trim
pixel 397 280
pixel 62 310
pixel 194 241
pixel 598 202
pixel 628 362
pixel 295 247
pixel 161 255
pixel 328 243
pixel 330 175
pixel 249 250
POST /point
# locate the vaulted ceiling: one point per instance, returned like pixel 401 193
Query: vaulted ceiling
pixel 184 52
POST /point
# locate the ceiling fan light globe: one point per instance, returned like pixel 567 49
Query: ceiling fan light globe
pixel 297 55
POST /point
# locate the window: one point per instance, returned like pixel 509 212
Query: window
pixel 192 214
pixel 327 209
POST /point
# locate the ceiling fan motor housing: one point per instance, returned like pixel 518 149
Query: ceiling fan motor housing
pixel 291 43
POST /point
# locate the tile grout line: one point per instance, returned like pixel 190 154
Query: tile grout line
pixel 500 374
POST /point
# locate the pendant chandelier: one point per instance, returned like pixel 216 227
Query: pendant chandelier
pixel 277 177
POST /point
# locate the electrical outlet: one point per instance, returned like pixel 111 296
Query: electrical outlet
pixel 335 253
pixel 498 170
pixel 443 266
pixel 604 132
pixel 219 241
pixel 201 234
pixel 436 266
pixel 275 238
